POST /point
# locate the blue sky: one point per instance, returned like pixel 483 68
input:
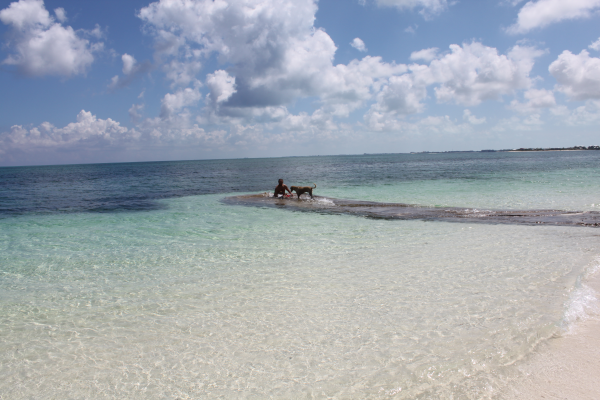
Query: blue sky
pixel 114 80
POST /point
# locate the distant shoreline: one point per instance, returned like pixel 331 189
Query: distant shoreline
pixel 522 149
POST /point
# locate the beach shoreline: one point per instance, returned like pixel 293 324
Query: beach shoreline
pixel 565 366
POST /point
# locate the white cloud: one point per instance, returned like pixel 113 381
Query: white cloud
pixel 175 102
pixel 97 32
pixel 595 45
pixel 473 73
pixel 412 29
pixel 131 69
pixel 178 129
pixel 401 95
pixel 272 51
pixel 531 122
pixel 358 44
pixel 272 55
pixel 134 112
pixel 90 133
pixel 588 114
pixel 426 54
pixel 221 85
pixel 536 100
pixel 128 63
pixel 542 13
pixel 61 14
pixel 470 118
pixel 25 14
pixel 578 75
pixel 468 75
pixel 428 8
pixel 87 129
pixel 182 73
pixel 433 125
pixel 42 46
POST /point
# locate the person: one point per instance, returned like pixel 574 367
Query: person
pixel 280 189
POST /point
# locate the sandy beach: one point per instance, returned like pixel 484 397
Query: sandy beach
pixel 565 367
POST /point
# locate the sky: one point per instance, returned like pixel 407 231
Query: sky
pixel 124 81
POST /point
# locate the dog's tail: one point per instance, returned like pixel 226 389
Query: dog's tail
pixel 315 185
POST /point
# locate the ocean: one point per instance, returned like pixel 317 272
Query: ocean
pixel 142 280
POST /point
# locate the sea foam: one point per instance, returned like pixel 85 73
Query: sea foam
pixel 583 301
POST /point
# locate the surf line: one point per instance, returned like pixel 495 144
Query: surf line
pixel 399 211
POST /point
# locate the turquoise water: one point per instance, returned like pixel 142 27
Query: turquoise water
pixel 143 284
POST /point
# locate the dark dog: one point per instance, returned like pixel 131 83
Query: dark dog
pixel 303 189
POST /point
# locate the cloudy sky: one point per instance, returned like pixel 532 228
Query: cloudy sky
pixel 113 80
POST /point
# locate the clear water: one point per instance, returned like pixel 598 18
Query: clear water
pixel 136 281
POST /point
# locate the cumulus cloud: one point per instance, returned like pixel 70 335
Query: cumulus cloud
pixel 128 63
pixel 530 122
pixel 182 73
pixel 426 54
pixel 135 112
pixel 273 53
pixel 540 98
pixel 468 75
pixel 221 85
pixel 412 29
pixel 401 95
pixel 427 8
pixel 595 45
pixel 87 129
pixel 42 46
pixel 175 102
pixel 358 44
pixel 470 118
pixel 588 114
pixel 61 14
pixel 90 133
pixel 536 100
pixel 435 125
pixel 578 75
pixel 542 13
pixel 26 13
pixel 131 69
pixel 473 73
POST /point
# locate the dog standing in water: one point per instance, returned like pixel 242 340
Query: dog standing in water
pixel 303 189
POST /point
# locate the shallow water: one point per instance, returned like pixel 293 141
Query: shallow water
pixel 185 296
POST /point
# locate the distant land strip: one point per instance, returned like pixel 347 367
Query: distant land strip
pixel 512 150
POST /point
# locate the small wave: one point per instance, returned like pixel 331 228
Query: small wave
pixel 323 201
pixel 583 302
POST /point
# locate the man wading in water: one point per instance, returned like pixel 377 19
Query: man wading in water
pixel 280 189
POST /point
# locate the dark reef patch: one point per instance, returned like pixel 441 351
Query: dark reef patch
pixel 401 211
